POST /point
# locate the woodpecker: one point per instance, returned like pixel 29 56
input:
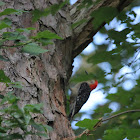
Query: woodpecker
pixel 79 95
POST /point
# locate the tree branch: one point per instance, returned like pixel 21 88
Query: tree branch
pixel 84 32
pixel 98 124
pixel 113 116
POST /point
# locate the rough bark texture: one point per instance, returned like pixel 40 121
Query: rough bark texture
pixel 45 77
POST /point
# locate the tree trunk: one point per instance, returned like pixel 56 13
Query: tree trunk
pixel 45 77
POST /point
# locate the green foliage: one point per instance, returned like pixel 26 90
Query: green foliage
pixel 105 64
pixel 8 11
pixel 3 77
pixel 126 125
pixel 7 81
pixel 33 45
pixel 15 84
pixel 47 35
pixel 117 134
pixel 13 36
pixel 5 23
pixel 87 123
pixel 2 58
pixel 85 77
pixel 103 14
pixel 29 46
pixel 14 117
pixel 33 48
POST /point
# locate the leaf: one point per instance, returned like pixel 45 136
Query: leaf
pixel 103 14
pixel 31 28
pixel 131 133
pixel 121 133
pixel 1 96
pixel 47 34
pixel 12 136
pixel 45 41
pixel 8 11
pixel 87 123
pixel 3 130
pixel 27 30
pixel 20 30
pixel 119 36
pixel 27 118
pixel 133 13
pixel 16 84
pixel 114 134
pixel 10 123
pixel 38 127
pixel 13 36
pixel 14 114
pixel 19 118
pixel 104 110
pixel 82 77
pixel 2 42
pixel 122 17
pixel 38 14
pixel 49 128
pixel 114 58
pixel 7 21
pixel 3 77
pixel 33 48
pixel 3 25
pixel 10 98
pixel 35 108
pixel 42 134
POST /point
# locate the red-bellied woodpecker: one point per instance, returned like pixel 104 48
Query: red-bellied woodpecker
pixel 79 95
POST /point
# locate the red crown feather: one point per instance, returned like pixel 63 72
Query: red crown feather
pixel 93 86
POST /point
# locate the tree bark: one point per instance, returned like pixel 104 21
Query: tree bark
pixel 45 77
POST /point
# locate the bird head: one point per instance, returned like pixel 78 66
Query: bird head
pixel 93 84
